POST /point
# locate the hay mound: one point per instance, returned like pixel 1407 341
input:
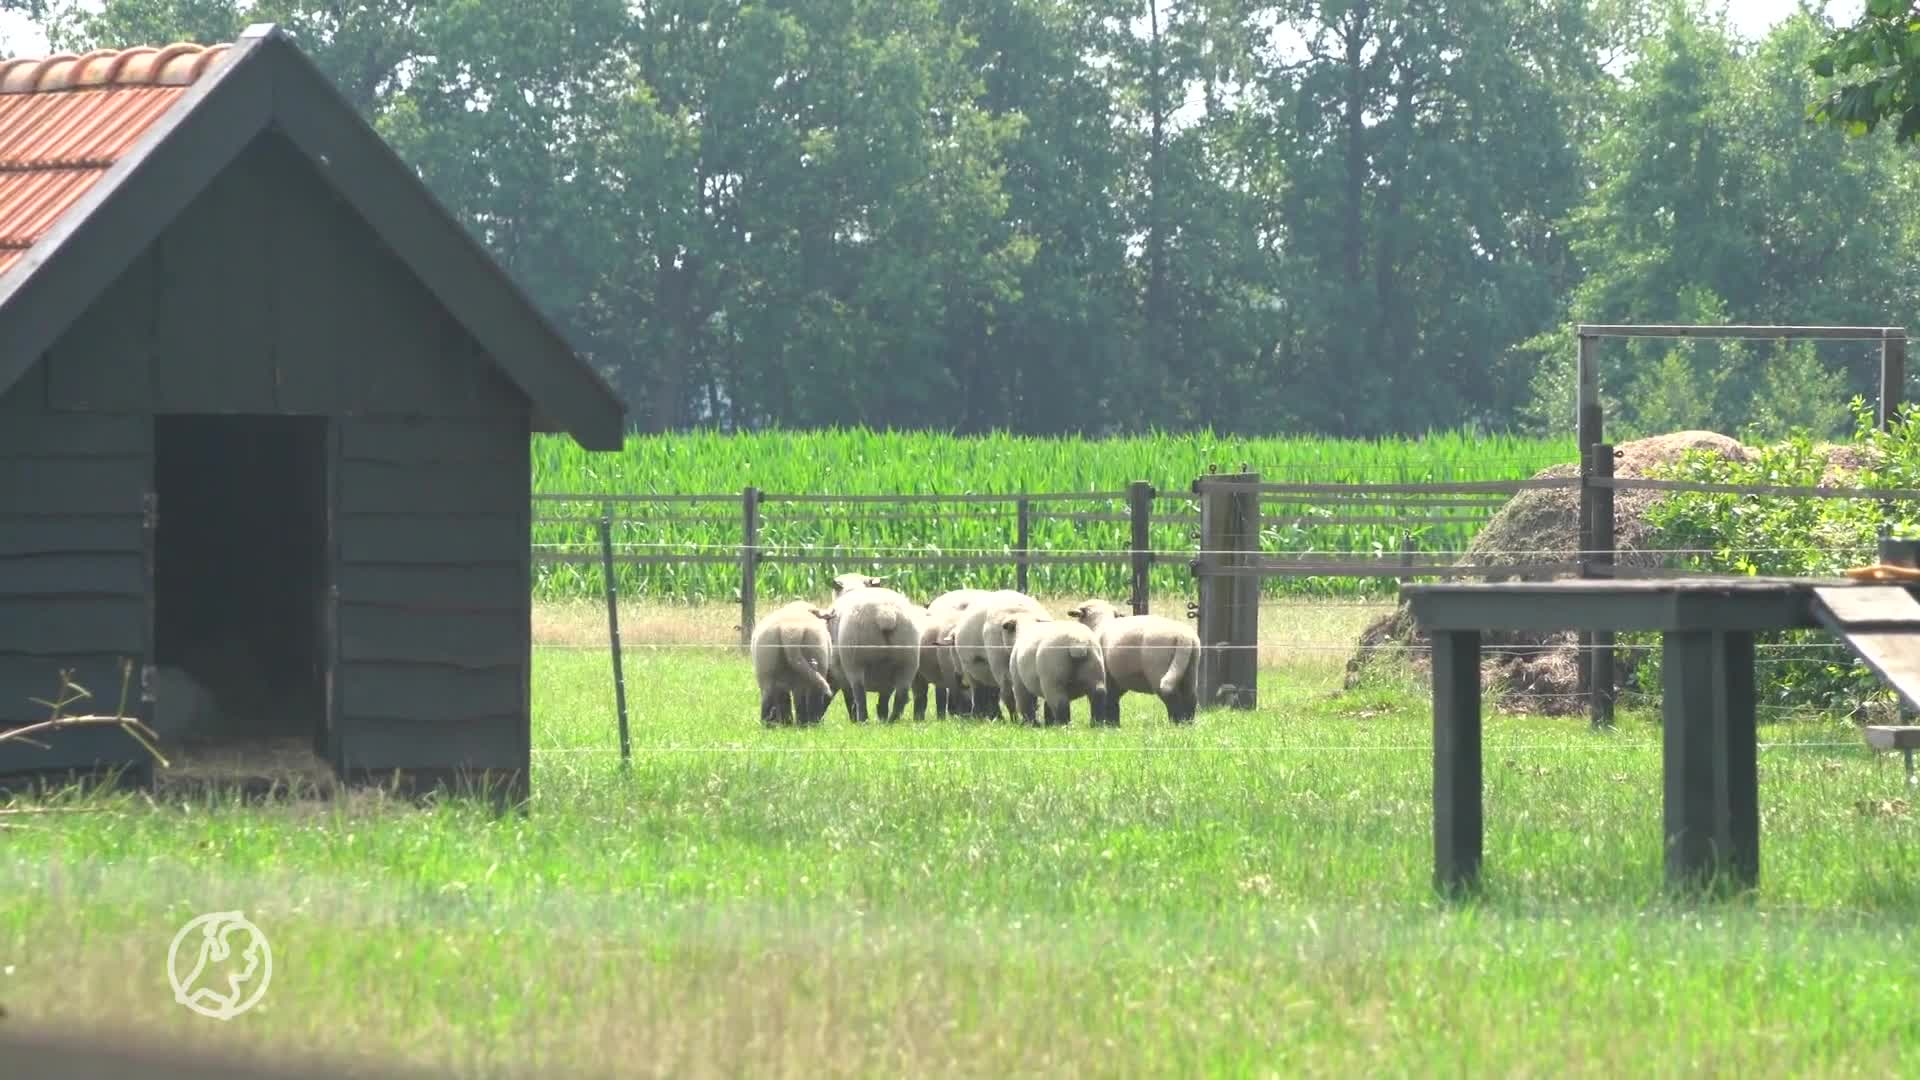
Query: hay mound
pixel 1540 672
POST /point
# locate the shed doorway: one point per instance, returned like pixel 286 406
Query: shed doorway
pixel 240 580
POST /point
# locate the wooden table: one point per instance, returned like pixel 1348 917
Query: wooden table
pixel 1706 626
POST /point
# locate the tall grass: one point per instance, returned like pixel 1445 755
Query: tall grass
pixel 1248 896
pixel 864 462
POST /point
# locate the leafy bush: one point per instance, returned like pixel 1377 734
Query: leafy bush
pixel 1793 536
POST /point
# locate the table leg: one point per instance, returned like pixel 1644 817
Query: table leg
pixel 1739 772
pixel 1457 809
pixel 1712 808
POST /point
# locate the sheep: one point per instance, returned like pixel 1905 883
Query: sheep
pixel 937 667
pixel 983 649
pixel 876 645
pixel 1149 653
pixel 792 650
pixel 1053 662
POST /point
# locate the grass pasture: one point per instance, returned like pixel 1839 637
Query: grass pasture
pixel 1245 897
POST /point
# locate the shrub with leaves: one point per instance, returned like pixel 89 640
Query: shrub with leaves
pixel 1797 536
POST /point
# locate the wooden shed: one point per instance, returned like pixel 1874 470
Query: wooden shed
pixel 265 411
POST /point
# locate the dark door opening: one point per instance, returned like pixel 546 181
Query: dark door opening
pixel 240 578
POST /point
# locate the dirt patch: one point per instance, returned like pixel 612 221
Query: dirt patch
pixel 1540 672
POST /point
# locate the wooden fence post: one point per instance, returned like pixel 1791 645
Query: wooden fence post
pixel 1022 540
pixel 1598 542
pixel 1140 543
pixel 1229 610
pixel 749 559
pixel 1893 378
pixel 613 630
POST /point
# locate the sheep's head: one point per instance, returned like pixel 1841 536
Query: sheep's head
pixel 1091 613
pixel 848 582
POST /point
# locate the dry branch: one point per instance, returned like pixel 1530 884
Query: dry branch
pixel 71 693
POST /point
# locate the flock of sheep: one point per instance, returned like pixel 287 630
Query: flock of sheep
pixel 978 650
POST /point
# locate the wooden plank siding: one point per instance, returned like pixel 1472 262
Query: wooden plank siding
pixel 72 581
pixel 434 617
pixel 270 295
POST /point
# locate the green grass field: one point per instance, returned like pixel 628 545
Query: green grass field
pixel 860 462
pixel 1245 897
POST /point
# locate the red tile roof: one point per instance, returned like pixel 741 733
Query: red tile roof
pixel 65 120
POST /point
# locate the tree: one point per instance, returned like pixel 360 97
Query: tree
pixel 1877 63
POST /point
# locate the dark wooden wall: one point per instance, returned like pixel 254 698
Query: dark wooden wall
pixel 72 554
pixel 269 295
pixel 434 620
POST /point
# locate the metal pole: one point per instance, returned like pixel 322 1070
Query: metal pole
pixel 1587 425
pixel 1023 539
pixel 1893 378
pixel 613 632
pixel 749 560
pixel 1600 544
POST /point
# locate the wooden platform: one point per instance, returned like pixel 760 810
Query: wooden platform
pixel 1709 748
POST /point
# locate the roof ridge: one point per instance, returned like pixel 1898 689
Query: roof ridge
pixel 178 64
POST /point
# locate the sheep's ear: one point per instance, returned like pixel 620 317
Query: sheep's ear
pixel 1009 625
pixel 1075 612
pixel 821 613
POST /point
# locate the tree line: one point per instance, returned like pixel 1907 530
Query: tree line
pixel 1342 217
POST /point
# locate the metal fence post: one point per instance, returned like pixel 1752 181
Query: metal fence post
pixel 1599 545
pixel 1022 540
pixel 1893 377
pixel 749 559
pixel 1140 515
pixel 613 630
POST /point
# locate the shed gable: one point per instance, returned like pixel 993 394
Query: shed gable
pixel 270 294
pixel 163 126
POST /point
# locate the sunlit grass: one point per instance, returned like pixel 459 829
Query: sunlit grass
pixel 1246 896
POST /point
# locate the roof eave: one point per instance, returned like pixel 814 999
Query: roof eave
pixel 101 234
pixel 448 259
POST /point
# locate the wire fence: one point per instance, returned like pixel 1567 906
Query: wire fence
pixel 1216 548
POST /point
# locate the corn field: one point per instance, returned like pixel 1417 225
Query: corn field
pixel 862 462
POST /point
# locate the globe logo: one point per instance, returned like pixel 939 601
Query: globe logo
pixel 226 963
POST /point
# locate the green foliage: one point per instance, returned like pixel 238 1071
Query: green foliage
pixel 1799 537
pixel 866 462
pixel 1877 64
pixel 1092 217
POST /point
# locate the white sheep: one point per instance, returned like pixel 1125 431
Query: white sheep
pixel 938 667
pixel 792 650
pixel 984 650
pixel 1148 653
pixel 876 646
pixel 1053 662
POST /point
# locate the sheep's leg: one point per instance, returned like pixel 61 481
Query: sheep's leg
pixel 920 688
pixel 1024 703
pixel 1097 708
pixel 1181 705
pixel 769 708
pixel 986 702
pixel 939 701
pixel 1059 711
